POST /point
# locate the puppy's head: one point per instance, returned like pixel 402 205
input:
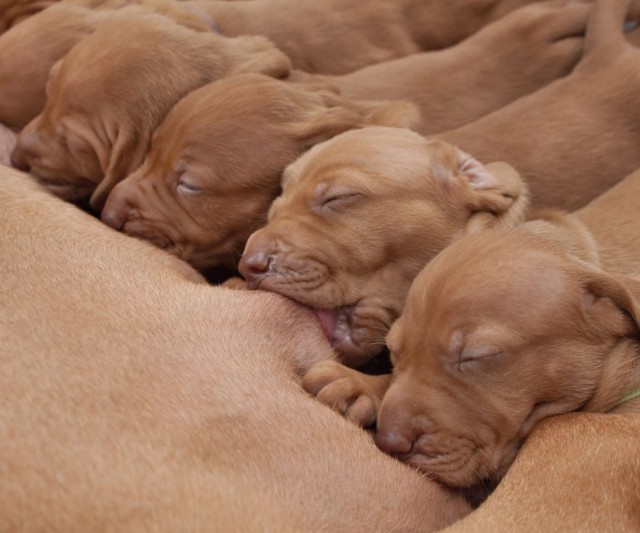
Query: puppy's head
pixel 215 163
pixel 360 215
pixel 106 97
pixel 501 330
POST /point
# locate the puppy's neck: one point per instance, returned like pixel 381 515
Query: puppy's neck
pixel 567 231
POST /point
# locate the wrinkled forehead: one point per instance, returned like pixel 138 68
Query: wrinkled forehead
pixel 371 157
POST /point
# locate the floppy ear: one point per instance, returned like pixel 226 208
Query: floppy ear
pixel 325 114
pixel 127 154
pixel 497 193
pixel 257 54
pixel 613 301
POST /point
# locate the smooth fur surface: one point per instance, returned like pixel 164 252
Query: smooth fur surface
pixel 137 398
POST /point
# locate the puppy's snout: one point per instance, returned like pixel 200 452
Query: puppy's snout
pixel 116 210
pixel 258 257
pixel 25 151
pixel 393 442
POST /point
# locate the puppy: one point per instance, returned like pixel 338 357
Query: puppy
pixel 509 327
pixel 105 98
pixel 545 43
pixel 135 398
pixel 358 218
pixel 28 51
pixel 339 36
pixel 216 161
pixel 594 111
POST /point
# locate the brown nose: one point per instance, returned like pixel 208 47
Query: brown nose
pixel 258 258
pixel 396 431
pixel 28 147
pixel 116 209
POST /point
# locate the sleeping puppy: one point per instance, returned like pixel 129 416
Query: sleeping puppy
pixel 28 51
pixel 328 246
pixel 105 98
pixel 594 108
pixel 339 36
pixel 545 41
pixel 216 161
pixel 510 327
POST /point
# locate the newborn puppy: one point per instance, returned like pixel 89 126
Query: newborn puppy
pixel 360 215
pixel 508 327
pixel 595 108
pixel 105 98
pixel 544 43
pixel 215 163
pixel 28 51
pixel 339 36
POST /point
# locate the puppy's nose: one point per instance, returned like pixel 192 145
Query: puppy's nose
pixel 393 442
pixel 19 159
pixel 116 210
pixel 258 257
pixel 26 149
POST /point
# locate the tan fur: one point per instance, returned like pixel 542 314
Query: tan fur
pixel 136 399
pixel 106 97
pixel 229 143
pixel 28 51
pixel 338 36
pixel 561 138
pixel 576 472
pixel 400 199
pixel 515 326
pixel 505 60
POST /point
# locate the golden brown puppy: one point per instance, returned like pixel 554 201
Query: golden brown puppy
pixel 28 51
pixel 510 327
pixel 105 98
pixel 594 108
pixel 358 218
pixel 215 163
pixel 339 36
pixel 137 400
pixel 507 59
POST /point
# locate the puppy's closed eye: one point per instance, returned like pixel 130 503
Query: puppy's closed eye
pixel 475 355
pixel 335 201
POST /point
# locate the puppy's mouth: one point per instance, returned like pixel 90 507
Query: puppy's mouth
pixel 338 327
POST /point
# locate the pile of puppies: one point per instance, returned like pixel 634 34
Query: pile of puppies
pixel 274 137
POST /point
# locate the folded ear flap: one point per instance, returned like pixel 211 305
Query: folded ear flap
pixel 613 301
pixel 326 114
pixel 497 193
pixel 257 54
pixel 127 154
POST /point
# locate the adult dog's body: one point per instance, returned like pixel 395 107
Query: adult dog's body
pixel 135 398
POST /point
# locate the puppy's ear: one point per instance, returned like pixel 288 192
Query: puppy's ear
pixel 257 54
pixel 127 154
pixel 497 193
pixel 611 301
pixel 324 113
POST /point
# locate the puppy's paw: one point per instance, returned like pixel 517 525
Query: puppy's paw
pixel 355 395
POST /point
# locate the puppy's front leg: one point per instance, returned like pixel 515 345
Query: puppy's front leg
pixel 355 395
